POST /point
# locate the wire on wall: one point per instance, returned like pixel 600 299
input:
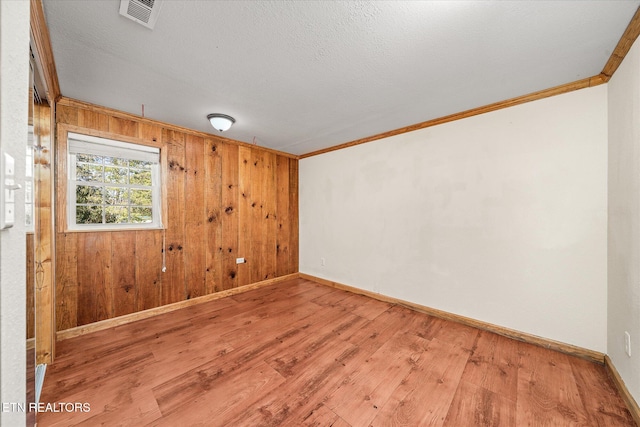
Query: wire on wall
pixel 164 250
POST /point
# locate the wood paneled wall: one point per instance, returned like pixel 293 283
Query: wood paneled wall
pixel 223 201
pixel 31 282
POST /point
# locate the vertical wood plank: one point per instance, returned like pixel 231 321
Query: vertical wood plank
pixel 149 268
pixel 257 244
pixel 92 120
pixel 293 216
pixel 213 223
pixel 194 244
pixel 123 273
pixel 66 281
pixel 173 286
pixel 283 231
pixel 31 281
pixel 150 133
pixel 229 216
pixel 94 280
pixel 269 219
pixel 123 126
pixel 244 214
pixel 67 115
pixel 44 240
pixel 61 179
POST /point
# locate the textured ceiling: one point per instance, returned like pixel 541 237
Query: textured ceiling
pixel 301 76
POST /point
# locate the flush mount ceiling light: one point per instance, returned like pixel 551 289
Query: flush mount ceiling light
pixel 221 122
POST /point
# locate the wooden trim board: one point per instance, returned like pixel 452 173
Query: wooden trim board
pixel 69 102
pixel 44 234
pixel 617 56
pixel 632 405
pixel 42 42
pixel 558 90
pixel 624 45
pixel 591 355
pixel 145 314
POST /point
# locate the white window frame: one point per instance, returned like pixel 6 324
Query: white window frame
pixel 91 145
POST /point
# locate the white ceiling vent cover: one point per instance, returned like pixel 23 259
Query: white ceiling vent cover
pixel 144 12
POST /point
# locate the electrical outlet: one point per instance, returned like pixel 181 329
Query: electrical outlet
pixel 322 262
pixel 627 343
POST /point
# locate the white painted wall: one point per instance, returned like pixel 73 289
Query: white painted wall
pixel 14 97
pixel 624 219
pixel 500 217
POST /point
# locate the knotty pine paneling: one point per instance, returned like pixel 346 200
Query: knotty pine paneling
pixel 195 215
pixel 31 283
pixel 223 201
pixel 173 281
pixel 229 217
pixel 283 231
pixel 244 213
pixel 213 216
pixel 66 280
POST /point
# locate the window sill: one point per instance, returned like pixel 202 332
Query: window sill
pixel 112 230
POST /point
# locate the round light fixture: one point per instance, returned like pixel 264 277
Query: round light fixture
pixel 221 122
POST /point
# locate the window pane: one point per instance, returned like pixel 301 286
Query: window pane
pixel 28 213
pixel 116 196
pixel 87 172
pixel 112 191
pixel 139 164
pixel 140 177
pixel 141 197
pixel 117 215
pixel 88 214
pixel 115 161
pixel 88 158
pixel 141 215
pixel 28 192
pixel 115 175
pixel 88 194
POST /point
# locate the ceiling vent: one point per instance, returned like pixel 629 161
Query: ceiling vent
pixel 144 12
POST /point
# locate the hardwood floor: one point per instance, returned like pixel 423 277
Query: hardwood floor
pixel 303 354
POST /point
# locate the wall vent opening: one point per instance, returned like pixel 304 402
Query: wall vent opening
pixel 144 12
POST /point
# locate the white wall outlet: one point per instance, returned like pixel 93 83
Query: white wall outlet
pixel 627 343
pixel 240 261
pixel 322 262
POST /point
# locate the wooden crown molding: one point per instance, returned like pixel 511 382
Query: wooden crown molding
pixel 70 102
pixel 42 43
pixel 565 88
pixel 624 45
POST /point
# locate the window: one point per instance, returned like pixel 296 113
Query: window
pixel 112 184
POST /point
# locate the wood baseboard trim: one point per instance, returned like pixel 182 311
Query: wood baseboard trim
pixel 145 314
pixel 632 405
pixel 591 355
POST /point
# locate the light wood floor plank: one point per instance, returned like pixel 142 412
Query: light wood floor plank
pixel 299 353
pixel 477 406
